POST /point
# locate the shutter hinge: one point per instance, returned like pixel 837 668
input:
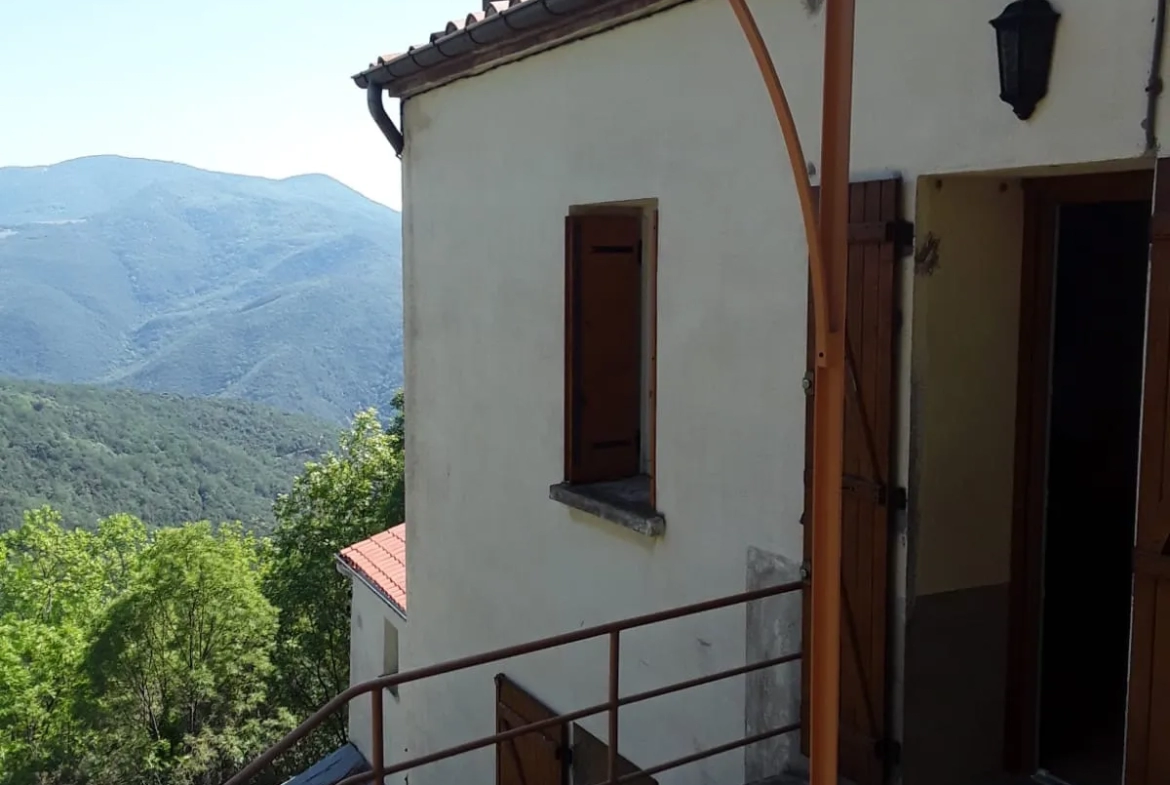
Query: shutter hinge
pixel 900 232
pixel 898 499
pixel 807 383
pixel 806 570
pixel 888 751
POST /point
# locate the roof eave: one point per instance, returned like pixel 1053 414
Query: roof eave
pixel 350 571
pixel 504 37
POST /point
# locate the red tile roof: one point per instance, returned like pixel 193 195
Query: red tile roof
pixel 490 8
pixel 503 30
pixel 381 561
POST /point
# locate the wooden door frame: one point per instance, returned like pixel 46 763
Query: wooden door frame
pixel 1042 199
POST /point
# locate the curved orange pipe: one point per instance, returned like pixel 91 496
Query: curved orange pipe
pixel 808 210
pixel 826 231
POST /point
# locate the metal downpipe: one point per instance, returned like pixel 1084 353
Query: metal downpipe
pixel 385 124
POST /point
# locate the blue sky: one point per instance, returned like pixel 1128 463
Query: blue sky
pixel 250 86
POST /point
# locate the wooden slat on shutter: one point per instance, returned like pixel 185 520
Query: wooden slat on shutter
pixel 1148 726
pixel 603 347
pixel 534 758
pixel 867 493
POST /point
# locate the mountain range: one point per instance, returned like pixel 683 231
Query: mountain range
pixel 162 277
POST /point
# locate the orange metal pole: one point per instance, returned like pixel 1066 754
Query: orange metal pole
pixel 828 270
pixel 611 763
pixel 829 400
pixel 378 764
pixel 797 160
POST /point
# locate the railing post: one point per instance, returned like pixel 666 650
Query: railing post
pixel 378 764
pixel 614 653
pixel 613 703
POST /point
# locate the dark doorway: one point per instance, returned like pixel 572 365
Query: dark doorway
pixel 1093 420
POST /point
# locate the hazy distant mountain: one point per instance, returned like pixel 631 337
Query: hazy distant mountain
pixel 164 277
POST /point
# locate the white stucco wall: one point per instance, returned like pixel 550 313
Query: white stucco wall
pixel 369 614
pixel 669 108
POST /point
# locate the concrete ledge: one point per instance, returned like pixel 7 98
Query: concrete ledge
pixel 624 502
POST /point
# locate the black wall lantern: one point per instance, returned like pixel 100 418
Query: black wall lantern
pixel 1025 35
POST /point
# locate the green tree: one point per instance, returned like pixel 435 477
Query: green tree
pixel 54 586
pixel 90 451
pixel 398 423
pixel 179 666
pixel 346 497
pixel 38 666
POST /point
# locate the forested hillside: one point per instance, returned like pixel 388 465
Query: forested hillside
pixel 91 452
pixel 166 278
pixel 174 655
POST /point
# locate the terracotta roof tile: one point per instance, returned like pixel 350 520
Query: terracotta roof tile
pixel 381 560
pixel 490 9
pixel 503 30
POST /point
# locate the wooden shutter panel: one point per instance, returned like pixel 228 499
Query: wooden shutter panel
pixel 603 347
pixel 535 758
pixel 868 496
pixel 1148 726
pixel 591 762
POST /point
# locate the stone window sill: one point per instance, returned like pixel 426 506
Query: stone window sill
pixel 624 502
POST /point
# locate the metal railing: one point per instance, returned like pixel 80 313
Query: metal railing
pixel 613 630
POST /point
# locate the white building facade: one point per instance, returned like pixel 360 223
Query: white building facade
pixel 656 112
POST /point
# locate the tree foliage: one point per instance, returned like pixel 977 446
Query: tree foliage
pixel 346 497
pixel 130 657
pixel 165 459
pixel 54 585
pixel 179 666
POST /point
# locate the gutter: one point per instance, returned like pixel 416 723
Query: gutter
pixel 524 28
pixel 454 43
pixel 348 571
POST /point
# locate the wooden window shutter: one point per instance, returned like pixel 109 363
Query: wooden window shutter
pixel 603 347
pixel 591 762
pixel 1148 726
pixel 868 497
pixel 536 758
